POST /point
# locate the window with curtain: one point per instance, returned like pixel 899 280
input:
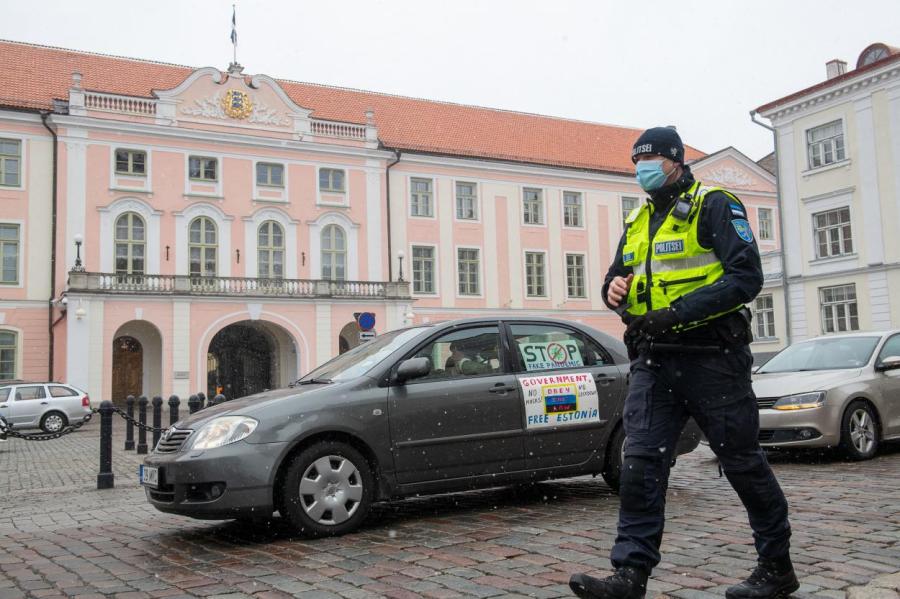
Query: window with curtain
pixel 203 246
pixel 334 253
pixel 130 245
pixel 270 248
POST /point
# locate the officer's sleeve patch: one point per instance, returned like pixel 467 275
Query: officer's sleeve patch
pixel 737 209
pixel 743 229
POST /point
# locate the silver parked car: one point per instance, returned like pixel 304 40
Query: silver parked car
pixel 48 406
pixel 834 391
pixel 429 409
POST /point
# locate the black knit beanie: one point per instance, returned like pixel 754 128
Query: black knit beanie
pixel 662 141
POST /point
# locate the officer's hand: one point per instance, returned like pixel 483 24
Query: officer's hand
pixel 618 290
pixel 654 323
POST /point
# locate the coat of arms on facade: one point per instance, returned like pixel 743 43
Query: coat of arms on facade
pixel 237 104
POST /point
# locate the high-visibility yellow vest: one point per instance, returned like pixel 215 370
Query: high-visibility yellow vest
pixel 673 263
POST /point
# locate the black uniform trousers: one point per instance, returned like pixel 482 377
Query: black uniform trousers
pixel 714 388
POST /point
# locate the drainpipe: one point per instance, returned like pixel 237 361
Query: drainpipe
pixel 387 192
pixel 787 307
pixel 50 322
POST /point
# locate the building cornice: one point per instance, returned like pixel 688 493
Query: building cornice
pixel 512 167
pixel 862 270
pixel 828 95
pixel 250 141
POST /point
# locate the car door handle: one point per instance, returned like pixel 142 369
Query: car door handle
pixel 44 403
pixel 501 388
pixel 604 379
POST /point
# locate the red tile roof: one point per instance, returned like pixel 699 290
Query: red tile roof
pixel 32 76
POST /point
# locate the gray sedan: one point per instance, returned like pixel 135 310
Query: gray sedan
pixel 834 391
pixel 430 409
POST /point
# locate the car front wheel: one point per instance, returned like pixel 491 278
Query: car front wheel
pixel 53 422
pixel 859 431
pixel 328 489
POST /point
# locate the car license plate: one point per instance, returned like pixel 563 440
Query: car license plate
pixel 149 475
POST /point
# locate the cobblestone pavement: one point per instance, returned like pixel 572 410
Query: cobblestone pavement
pixel 60 536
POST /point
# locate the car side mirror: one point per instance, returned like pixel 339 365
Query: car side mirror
pixel 889 363
pixel 414 368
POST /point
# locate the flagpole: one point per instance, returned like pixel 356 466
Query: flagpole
pixel 234 28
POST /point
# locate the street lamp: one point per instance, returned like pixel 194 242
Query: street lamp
pixel 79 267
pixel 400 255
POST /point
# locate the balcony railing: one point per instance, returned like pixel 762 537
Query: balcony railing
pixel 121 104
pixel 121 284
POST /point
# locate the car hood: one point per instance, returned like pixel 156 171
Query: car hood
pixel 779 384
pixel 252 404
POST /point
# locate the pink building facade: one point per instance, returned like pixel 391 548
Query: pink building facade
pixel 173 230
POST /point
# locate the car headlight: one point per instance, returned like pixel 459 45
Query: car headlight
pixel 224 430
pixel 801 401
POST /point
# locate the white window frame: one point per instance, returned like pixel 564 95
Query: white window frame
pixel 826 144
pixel 764 317
pixel 189 183
pixel 834 308
pixel 130 244
pixel 581 210
pixel 625 214
pixel 351 229
pixel 20 254
pixel 479 271
pixel 760 210
pixel 476 203
pixel 432 193
pixel 332 170
pixel 271 250
pixel 542 213
pixel 183 222
pixel 435 280
pixel 130 150
pixel 343 253
pixel 204 245
pixel 584 276
pixel 202 180
pixel 544 275
pixel 17 374
pixel 22 154
pixel 842 241
pixel 262 163
pixel 251 229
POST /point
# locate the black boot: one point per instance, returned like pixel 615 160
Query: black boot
pixel 770 580
pixel 626 583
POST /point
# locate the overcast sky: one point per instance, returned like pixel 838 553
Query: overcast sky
pixel 701 65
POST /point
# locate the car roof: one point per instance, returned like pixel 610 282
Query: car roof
pixel 883 333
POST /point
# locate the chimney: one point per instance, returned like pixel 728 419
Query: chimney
pixel 835 68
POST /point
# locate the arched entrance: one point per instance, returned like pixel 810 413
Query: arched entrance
pixel 349 337
pixel 249 357
pixel 136 361
pixel 127 368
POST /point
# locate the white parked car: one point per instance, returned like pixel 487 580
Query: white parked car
pixel 833 391
pixel 48 406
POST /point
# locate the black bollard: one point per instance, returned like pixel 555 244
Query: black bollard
pixel 202 397
pixel 193 404
pixel 129 427
pixel 219 399
pixel 142 418
pixel 157 419
pixel 173 409
pixel 106 478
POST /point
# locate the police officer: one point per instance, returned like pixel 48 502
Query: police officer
pixel 685 266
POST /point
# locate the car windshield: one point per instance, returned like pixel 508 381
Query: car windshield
pixel 362 358
pixel 823 354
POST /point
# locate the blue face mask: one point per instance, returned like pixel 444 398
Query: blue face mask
pixel 650 174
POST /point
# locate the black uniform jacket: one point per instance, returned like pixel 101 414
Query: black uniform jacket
pixel 723 227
